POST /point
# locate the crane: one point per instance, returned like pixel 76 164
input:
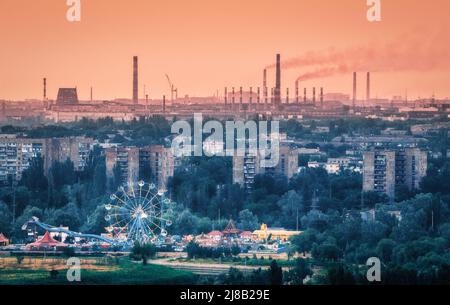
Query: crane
pixel 172 89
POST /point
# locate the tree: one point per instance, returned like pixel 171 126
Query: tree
pixel 5 218
pixel 143 252
pixel 68 215
pixel 340 275
pixel 33 177
pixel 385 249
pixel 247 221
pixel 275 274
pixel 186 223
pixel 291 205
pixel 301 270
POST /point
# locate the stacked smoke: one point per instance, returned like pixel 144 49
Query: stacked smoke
pixel 277 90
pixel 135 80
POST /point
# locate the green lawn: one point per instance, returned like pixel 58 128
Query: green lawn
pixel 125 273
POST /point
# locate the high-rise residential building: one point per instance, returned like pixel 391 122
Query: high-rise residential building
pixel 384 170
pixel 123 161
pixel 245 168
pixel 160 161
pixel 16 153
pixel 154 163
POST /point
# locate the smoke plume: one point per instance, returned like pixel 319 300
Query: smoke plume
pixel 407 53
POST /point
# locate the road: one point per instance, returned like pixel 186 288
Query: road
pixel 202 268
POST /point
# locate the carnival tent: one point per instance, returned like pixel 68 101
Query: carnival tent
pixel 3 240
pixel 46 242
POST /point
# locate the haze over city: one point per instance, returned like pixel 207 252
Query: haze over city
pixel 205 46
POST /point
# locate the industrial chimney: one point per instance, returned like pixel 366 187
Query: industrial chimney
pixel 314 95
pixel 265 78
pixel 354 90
pixel 277 91
pixel 271 95
pixel 368 88
pixel 296 91
pixel 304 95
pixel 258 97
pixel 164 104
pixel 135 80
pixel 45 89
pixel 251 93
pixel 232 96
pixel 240 96
pixel 287 95
pixel 321 97
pixel 226 95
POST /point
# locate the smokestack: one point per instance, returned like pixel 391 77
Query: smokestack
pixel 45 89
pixel 304 95
pixel 368 87
pixel 278 81
pixel 240 95
pixel 296 92
pixel 271 95
pixel 232 95
pixel 135 80
pixel 226 95
pixel 251 93
pixel 91 95
pixel 314 95
pixel 164 104
pixel 354 90
pixel 321 97
pixel 265 78
pixel 258 97
pixel 265 95
pixel 287 95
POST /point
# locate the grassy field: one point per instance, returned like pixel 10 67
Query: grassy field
pixel 94 271
pixel 240 262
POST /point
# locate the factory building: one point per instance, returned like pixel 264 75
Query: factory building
pixel 67 96
pixel 384 170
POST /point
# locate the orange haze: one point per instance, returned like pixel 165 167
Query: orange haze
pixel 205 45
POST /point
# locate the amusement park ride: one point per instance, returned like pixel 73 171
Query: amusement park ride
pixel 137 212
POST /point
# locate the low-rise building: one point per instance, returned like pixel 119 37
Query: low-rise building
pixel 266 233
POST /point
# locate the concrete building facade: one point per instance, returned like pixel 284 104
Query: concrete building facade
pixel 245 168
pixel 384 170
pixel 16 154
pixel 155 162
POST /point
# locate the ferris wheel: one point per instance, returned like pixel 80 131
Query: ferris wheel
pixel 139 212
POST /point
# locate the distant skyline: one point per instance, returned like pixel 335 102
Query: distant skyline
pixel 206 45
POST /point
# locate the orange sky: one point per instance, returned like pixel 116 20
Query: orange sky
pixel 205 45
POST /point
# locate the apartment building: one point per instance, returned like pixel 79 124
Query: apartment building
pixel 16 153
pixel 245 168
pixel 155 162
pixel 384 170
